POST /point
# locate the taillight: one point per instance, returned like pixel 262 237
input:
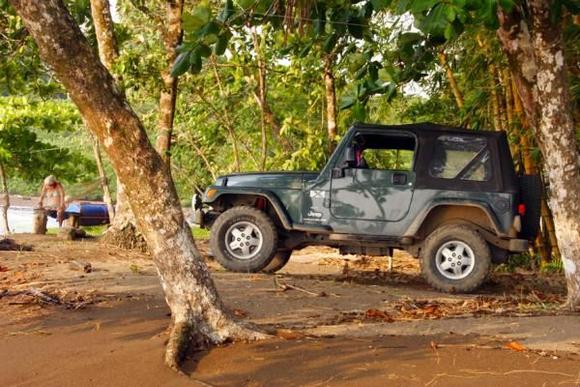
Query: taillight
pixel 522 209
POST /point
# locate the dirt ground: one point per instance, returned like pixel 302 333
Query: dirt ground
pixel 336 321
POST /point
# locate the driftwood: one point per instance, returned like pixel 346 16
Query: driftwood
pixel 7 244
pixel 42 297
pixel 81 266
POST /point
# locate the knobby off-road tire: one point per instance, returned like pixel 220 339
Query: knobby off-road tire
pixel 244 239
pixel 279 260
pixel 455 258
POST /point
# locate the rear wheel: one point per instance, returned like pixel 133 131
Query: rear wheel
pixel 455 258
pixel 279 260
pixel 244 239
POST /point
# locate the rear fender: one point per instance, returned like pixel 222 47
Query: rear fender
pixel 443 212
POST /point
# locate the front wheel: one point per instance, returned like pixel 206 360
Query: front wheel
pixel 455 258
pixel 244 239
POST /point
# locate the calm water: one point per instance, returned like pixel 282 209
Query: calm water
pixel 20 219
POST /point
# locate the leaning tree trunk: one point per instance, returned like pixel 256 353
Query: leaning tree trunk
pixel 198 316
pixel 122 231
pixel 536 58
pixel 103 22
pixel 172 36
pixel 330 93
pixel 5 200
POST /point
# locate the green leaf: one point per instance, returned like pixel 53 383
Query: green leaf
pixel 329 43
pixel 359 112
pixel 181 64
pixel 196 19
pixel 222 42
pixel 409 38
pixel 402 7
pixel 346 102
pixel 356 27
pixel 245 4
pixel 226 12
pixel 507 5
pixel 355 62
pixel 379 5
pixel 195 63
pixel 204 51
pixel 418 6
pixel 450 13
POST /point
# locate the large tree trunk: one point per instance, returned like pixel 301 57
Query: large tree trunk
pixel 5 200
pixel 535 54
pixel 330 94
pixel 103 22
pixel 198 316
pixel 172 35
pixel 123 230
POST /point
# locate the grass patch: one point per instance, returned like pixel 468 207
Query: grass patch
pixel 199 233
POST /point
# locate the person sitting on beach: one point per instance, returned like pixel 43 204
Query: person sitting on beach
pixel 52 198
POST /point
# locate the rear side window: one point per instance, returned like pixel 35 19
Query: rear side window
pixel 457 157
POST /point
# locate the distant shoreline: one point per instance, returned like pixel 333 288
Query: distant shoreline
pixel 23 201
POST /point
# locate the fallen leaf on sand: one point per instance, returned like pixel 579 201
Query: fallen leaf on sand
pixel 3 268
pixel 240 313
pixel 288 334
pixel 515 346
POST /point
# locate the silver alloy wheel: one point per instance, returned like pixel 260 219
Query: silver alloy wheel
pixel 244 240
pixel 455 260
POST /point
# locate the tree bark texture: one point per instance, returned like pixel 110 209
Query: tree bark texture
pixel 104 180
pixel 198 316
pixel 172 35
pixel 534 47
pixel 5 200
pixel 103 22
pixel 330 94
pixel 108 53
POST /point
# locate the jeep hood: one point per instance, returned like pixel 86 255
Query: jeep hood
pixel 292 180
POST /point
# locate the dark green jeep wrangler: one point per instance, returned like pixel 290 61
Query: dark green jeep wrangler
pixel 448 196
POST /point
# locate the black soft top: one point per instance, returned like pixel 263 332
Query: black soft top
pixel 504 177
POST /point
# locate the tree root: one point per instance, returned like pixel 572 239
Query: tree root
pixel 184 337
pixel 126 237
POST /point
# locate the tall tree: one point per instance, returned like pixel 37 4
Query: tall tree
pixel 103 22
pixel 172 35
pixel 531 37
pixel 198 315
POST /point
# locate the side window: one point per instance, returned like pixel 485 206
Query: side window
pixel 384 152
pixel 398 159
pixel 465 158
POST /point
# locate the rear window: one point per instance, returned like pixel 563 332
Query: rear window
pixel 464 158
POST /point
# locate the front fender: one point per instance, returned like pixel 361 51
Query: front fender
pixel 276 204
